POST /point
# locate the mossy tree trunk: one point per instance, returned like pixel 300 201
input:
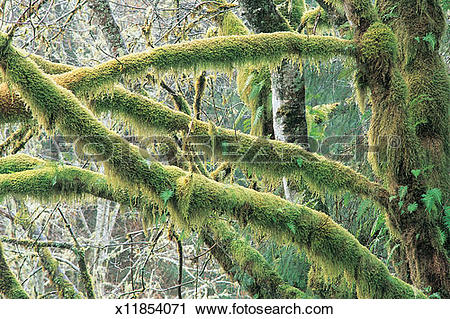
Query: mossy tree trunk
pixel 288 83
pixel 110 29
pixel 409 125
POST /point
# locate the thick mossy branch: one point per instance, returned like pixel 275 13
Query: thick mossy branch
pixel 46 181
pixel 51 67
pixel 22 175
pixel 325 241
pixel 253 83
pixel 54 106
pixel 218 53
pixel 265 156
pixel 311 230
pixel 275 158
pixel 10 287
pixel 266 282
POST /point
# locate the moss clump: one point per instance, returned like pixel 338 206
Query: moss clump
pixel 18 163
pixel 315 20
pixel 378 47
pixel 10 287
pixel 51 67
pixel 253 83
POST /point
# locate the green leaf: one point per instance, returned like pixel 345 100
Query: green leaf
pixel 416 172
pixel 402 190
pixel 400 204
pixel 377 224
pixel 346 199
pixel 291 226
pixel 166 195
pixel 258 115
pixel 54 180
pixel 431 198
pixel 430 39
pixel 299 162
pixel 392 198
pixel 412 207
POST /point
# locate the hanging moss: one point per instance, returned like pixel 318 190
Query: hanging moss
pixel 326 242
pixel 316 19
pixel 12 108
pixel 327 287
pixel 218 53
pixel 275 158
pixel 46 182
pixel 253 83
pixel 10 287
pixel 266 282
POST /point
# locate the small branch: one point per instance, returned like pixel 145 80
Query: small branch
pixel 174 237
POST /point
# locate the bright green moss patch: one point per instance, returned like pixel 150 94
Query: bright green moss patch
pixel 378 45
pixel 51 67
pixel 18 163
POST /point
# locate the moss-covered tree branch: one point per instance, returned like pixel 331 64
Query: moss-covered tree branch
pixel 46 181
pixel 275 158
pixel 266 283
pixel 10 287
pixel 218 53
pixel 195 196
pixel 149 115
pixel 325 241
pixel 58 278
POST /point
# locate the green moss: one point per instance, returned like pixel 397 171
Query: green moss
pixel 378 45
pixel 18 163
pixel 361 13
pixel 327 287
pixel 51 67
pixel 275 159
pixel 52 182
pixel 10 287
pixel 62 284
pixel 230 24
pixel 296 11
pixel 218 53
pixel 325 241
pixel 12 107
pixel 253 83
pixel 266 282
pixel 263 16
pixel 316 19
